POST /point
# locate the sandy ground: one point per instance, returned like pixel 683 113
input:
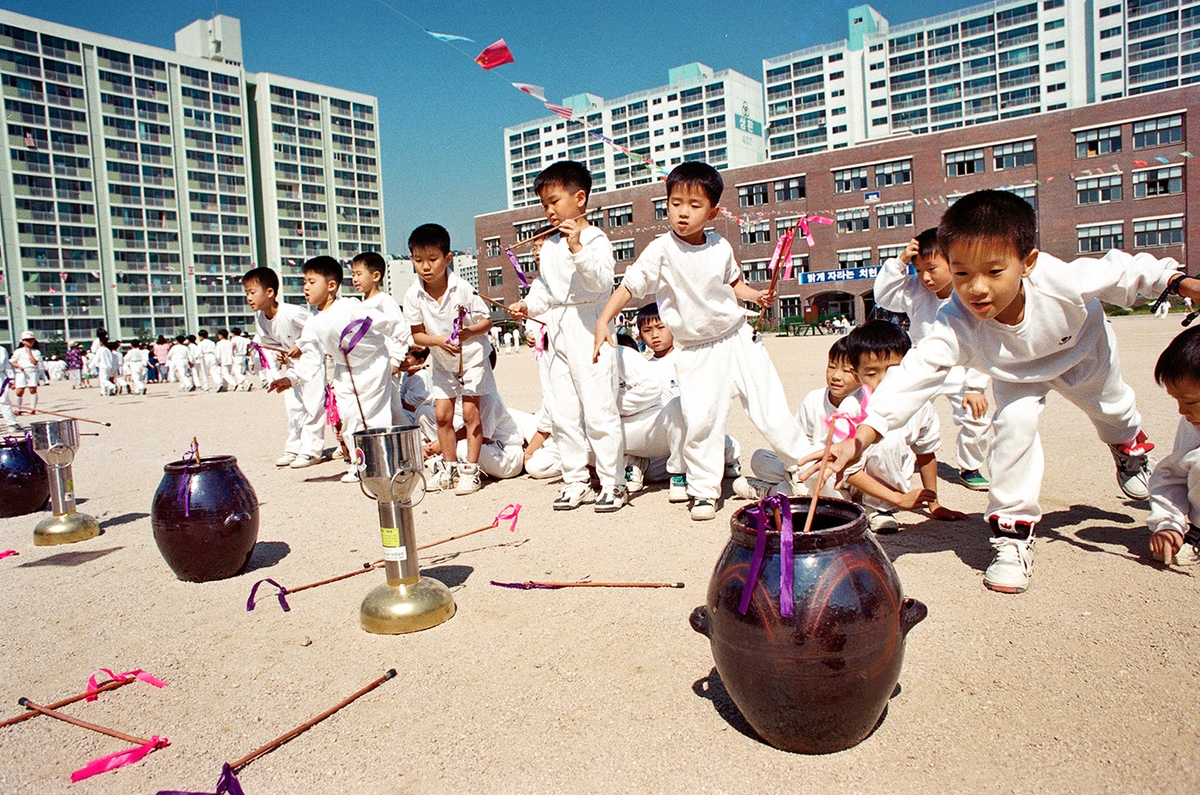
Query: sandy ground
pixel 1086 683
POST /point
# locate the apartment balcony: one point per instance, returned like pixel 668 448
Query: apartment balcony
pixel 25 118
pixel 1135 10
pixel 33 191
pixel 971 49
pixel 1169 48
pixel 21 93
pixel 35 215
pixel 66 102
pixel 1009 22
pixel 124 288
pixel 64 193
pixel 1170 70
pixel 20 68
pixel 69 126
pixel 1153 30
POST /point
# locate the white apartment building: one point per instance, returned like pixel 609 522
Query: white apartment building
pixel 987 62
pixel 716 117
pixel 132 195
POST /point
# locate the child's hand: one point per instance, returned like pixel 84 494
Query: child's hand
pixel 910 251
pixel 602 336
pixel 570 229
pixel 917 498
pixel 445 344
pixel 294 352
pixel 1189 287
pixel 841 455
pixel 280 384
pixel 766 298
pixel 519 310
pixel 395 369
pixel 938 511
pixel 976 403
pixel 1165 543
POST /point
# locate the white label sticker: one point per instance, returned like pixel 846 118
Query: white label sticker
pixel 399 554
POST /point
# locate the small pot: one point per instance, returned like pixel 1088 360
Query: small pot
pixel 24 485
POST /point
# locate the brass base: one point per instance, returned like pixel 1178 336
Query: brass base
pixel 65 528
pixel 397 609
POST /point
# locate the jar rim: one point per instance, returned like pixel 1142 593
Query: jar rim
pixel 205 464
pixel 853 526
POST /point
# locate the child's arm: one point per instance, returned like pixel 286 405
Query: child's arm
pixel 1170 503
pixel 593 261
pixel 893 282
pixel 745 292
pixel 616 302
pixel 431 341
pixel 535 443
pixel 1119 277
pixel 909 501
pixel 927 467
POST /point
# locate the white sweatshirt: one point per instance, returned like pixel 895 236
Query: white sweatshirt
pixel 208 350
pixel 1062 324
pixel 1175 484
pixel 437 316
pixel 224 353
pixel 637 388
pixel 281 331
pixel 567 278
pixel 815 409
pixel 693 285
pixel 386 305
pixel 663 368
pixel 322 337
pixel 178 353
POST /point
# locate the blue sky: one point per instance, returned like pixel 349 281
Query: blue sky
pixel 441 115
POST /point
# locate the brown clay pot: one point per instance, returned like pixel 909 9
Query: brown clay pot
pixel 24 486
pixel 816 682
pixel 211 534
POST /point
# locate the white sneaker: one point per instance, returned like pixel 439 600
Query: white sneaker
pixel 302 461
pixel 702 510
pixel 1133 467
pixel 635 475
pixel 572 496
pixel 1188 555
pixel 351 475
pixel 611 500
pixel 1013 565
pixel 751 489
pixel 444 477
pixel 677 491
pixel 882 523
pixel 733 469
pixel 468 480
pixel 285 460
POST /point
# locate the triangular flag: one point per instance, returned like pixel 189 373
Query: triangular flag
pixel 1139 163
pixel 566 113
pixel 531 90
pixel 1162 160
pixel 447 36
pixel 494 55
pixel 1186 154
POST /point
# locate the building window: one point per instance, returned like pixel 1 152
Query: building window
pixel 1158 232
pixel 1102 237
pixel 1012 155
pixel 890 252
pixel 756 233
pixel 596 217
pixel 1157 182
pixel 495 277
pixel 898 172
pixel 960 164
pixel 620 216
pixel 789 189
pixel 857 219
pixel 894 215
pixel 1026 192
pixel 849 180
pixel 752 195
pixel 492 244
pixel 855 258
pixel 1108 11
pixel 660 209
pixel 1108 77
pixel 1092 143
pixel 1098 190
pixel 1158 132
pixel 755 270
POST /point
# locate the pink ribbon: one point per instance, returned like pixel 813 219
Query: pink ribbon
pixel 805 220
pixel 539 343
pixel 138 674
pixel 119 759
pixel 332 418
pixel 510 512
pixel 8 552
pixel 517 267
pixel 842 426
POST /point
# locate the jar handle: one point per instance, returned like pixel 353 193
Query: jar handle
pixel 700 621
pixel 912 613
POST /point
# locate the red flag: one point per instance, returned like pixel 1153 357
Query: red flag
pixel 495 55
pixel 566 113
pixel 1139 163
pixel 30 142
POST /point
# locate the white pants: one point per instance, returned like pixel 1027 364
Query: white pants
pixel 545 462
pixel 743 364
pixel 648 435
pixel 105 377
pixel 1016 463
pixel 374 386
pixel 178 371
pixel 305 407
pixel 137 379
pixel 496 459
pixel 6 412
pixel 223 376
pixel 974 434
pixel 204 369
pixel 583 404
pixel 239 369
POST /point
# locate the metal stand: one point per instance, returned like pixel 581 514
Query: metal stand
pixel 55 442
pixel 391 472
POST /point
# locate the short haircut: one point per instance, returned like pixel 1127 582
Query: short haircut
pixel 697 174
pixel 927 243
pixel 647 313
pixel 235 331
pixel 839 351
pixel 429 236
pixel 418 353
pixel 223 334
pixel 180 339
pixel 266 278
pixel 627 341
pixel 877 338
pixel 566 174
pixel 372 261
pixel 543 230
pixel 329 268
pixel 997 217
pixel 204 333
pixel 1180 360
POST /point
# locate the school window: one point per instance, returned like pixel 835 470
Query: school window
pixel 752 195
pixel 1099 238
pixel 620 216
pixel 495 277
pixel 1026 192
pixel 1158 132
pixel 960 164
pixel 756 233
pixel 1157 182
pixel 660 209
pixel 898 172
pixel 528 262
pixel 849 180
pixel 623 250
pixel 755 270
pixel 596 217
pixel 1098 190
pixel 1012 155
pixel 895 215
pixel 526 229
pixel 857 219
pixel 1158 232
pixel 890 252
pixel 1092 143
pixel 855 258
pixel 789 189
pixel 492 244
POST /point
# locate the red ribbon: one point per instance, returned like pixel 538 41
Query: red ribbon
pixel 119 759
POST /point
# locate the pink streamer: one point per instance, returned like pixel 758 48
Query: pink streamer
pixel 138 674
pixel 8 552
pixel 119 759
pixel 842 426
pixel 332 418
pixel 539 343
pixel 511 511
pixel 262 357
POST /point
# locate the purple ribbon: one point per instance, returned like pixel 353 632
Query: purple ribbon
pixel 759 516
pixel 185 487
pixel 456 328
pixel 530 585
pixel 517 267
pixel 250 603
pixel 4 384
pixel 227 784
pixel 262 357
pixel 357 329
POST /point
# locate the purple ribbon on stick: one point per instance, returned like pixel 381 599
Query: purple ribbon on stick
pixel 227 784
pixel 4 385
pixel 758 516
pixel 456 328
pixel 356 330
pixel 517 267
pixel 262 357
pixel 250 603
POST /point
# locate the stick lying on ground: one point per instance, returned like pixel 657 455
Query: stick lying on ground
pixel 529 585
pixel 33 714
pixel 64 416
pixel 51 713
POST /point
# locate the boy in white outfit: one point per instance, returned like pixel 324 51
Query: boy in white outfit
pixel 1032 330
pixel 412 398
pixel 137 360
pixel 241 346
pixel 6 381
pixel 106 369
pixel 920 296
pixel 26 362
pixel 1175 484
pixel 448 317
pixel 206 362
pixel 279 326
pixel 177 364
pixel 699 285
pixel 367 271
pixel 199 373
pixel 358 339
pixel 576 276
pixel 223 372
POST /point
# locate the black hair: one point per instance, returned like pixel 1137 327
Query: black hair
pixel 492 359
pixel 543 230
pixel 429 236
pixel 566 174
pixel 997 217
pixel 701 175
pixel 223 334
pixel 161 340
pixel 204 333
pixel 647 313
pixel 927 243
pixel 418 353
pixel 372 261
pixel 328 268
pixel 180 339
pixel 1180 360
pixel 266 278
pixel 235 331
pixel 627 341
pixel 839 351
pixel 191 338
pixel 877 338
